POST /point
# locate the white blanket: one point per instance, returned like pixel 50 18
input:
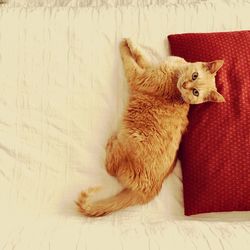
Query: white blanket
pixel 62 94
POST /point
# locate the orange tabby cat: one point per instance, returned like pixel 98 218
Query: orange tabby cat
pixel 143 151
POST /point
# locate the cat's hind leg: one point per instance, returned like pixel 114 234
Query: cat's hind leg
pixel 113 155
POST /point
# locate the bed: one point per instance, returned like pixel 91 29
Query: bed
pixel 62 95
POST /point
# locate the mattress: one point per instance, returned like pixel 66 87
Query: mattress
pixel 62 95
pixel 117 233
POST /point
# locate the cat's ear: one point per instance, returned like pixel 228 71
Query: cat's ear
pixel 214 66
pixel 214 96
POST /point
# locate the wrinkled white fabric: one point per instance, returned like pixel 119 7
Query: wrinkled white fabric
pixel 102 3
pixel 116 233
pixel 62 94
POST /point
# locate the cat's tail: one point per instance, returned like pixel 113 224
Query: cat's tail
pixel 121 200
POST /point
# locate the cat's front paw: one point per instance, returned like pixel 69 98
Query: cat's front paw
pixel 132 47
pixel 124 48
pixel 129 47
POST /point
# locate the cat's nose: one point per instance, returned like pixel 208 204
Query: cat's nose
pixel 186 85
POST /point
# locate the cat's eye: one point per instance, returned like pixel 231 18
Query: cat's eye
pixel 194 76
pixel 195 92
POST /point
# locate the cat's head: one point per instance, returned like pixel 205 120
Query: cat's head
pixel 196 82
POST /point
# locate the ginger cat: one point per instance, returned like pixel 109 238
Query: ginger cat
pixel 143 151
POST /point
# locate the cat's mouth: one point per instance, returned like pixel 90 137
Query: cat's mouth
pixel 179 86
pixel 181 99
pixel 185 99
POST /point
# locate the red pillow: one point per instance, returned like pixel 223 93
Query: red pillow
pixel 215 151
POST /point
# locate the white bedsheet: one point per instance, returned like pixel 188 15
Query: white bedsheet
pixel 62 93
pixel 121 233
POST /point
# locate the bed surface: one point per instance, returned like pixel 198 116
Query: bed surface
pixel 121 232
pixel 62 94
